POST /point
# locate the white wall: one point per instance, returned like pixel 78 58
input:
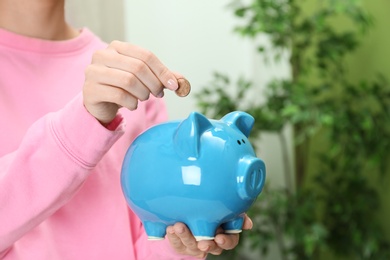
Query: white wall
pixel 105 18
pixel 194 38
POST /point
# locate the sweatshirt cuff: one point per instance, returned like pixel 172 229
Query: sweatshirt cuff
pixel 81 135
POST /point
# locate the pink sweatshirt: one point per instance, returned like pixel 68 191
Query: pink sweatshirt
pixel 60 194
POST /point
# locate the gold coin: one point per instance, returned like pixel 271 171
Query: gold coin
pixel 184 87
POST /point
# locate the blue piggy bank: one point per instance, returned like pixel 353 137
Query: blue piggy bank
pixel 201 172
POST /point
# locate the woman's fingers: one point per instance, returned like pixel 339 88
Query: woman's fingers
pixel 120 76
pixel 248 224
pixel 104 101
pixel 183 242
pixel 186 237
pixel 121 79
pixel 130 69
pixel 227 241
pixel 164 75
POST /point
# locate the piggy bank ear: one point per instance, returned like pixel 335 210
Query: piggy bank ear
pixel 243 121
pixel 187 136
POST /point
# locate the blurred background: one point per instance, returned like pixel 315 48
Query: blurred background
pixel 315 75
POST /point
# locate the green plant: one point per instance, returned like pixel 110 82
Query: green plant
pixel 333 204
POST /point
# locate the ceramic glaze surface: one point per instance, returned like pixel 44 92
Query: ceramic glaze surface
pixel 201 172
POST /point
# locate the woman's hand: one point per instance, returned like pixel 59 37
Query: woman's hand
pixel 182 240
pixel 120 76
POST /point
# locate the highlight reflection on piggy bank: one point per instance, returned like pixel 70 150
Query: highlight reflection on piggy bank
pixel 201 172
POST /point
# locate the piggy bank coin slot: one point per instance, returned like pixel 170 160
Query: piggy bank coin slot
pixel 241 142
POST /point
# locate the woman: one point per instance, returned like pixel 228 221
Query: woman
pixel 63 140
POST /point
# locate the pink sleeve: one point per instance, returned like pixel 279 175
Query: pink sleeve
pixel 49 167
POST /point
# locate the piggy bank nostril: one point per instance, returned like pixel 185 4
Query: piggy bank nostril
pixel 254 180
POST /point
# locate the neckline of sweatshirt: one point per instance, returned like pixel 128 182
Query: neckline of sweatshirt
pixel 15 41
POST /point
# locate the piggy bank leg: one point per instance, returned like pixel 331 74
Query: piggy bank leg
pixel 203 230
pixel 155 230
pixel 234 226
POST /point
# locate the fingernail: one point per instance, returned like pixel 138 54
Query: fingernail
pixel 160 95
pixel 180 230
pixel 205 248
pixel 172 84
pixel 219 241
pixel 170 231
pixel 251 224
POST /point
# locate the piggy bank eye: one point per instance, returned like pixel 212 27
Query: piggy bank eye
pixel 243 141
pixel 239 142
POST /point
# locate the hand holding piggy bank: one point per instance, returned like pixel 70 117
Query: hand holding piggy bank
pixel 201 172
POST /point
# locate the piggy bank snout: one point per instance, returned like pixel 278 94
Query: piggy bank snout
pixel 251 177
